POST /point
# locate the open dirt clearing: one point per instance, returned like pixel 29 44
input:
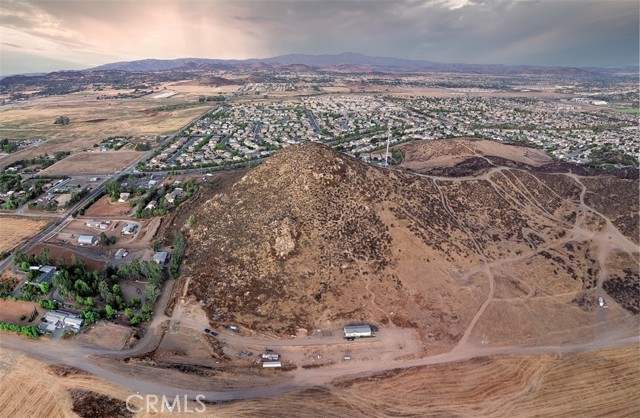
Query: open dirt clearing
pixel 104 207
pixel 447 153
pixel 92 163
pixel 106 335
pixel 14 230
pixel 11 311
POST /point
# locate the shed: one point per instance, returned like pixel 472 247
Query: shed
pixel 271 364
pixel 87 240
pixel 357 331
pixel 124 197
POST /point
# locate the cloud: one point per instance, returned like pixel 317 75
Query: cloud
pixel 546 32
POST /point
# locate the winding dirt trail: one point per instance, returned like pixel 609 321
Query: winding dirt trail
pixel 609 239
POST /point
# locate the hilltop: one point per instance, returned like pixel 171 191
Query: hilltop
pixel 316 239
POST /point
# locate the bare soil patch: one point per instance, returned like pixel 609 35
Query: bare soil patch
pixel 67 254
pixel 15 230
pixel 420 155
pixel 92 163
pixel 11 311
pixel 105 207
pixel 107 335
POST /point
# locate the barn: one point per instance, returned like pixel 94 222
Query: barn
pixel 352 332
pixel 87 240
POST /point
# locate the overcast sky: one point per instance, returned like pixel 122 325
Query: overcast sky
pixel 49 35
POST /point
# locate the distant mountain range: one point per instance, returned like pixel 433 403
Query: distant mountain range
pixel 346 61
pixel 318 61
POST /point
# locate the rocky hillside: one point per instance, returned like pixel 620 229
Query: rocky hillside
pixel 313 238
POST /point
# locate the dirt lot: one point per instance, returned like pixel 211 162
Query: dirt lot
pixel 447 153
pixel 56 251
pixel 11 311
pixel 14 230
pixel 104 207
pixel 107 335
pixel 92 163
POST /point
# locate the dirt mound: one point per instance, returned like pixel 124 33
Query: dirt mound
pixel 313 239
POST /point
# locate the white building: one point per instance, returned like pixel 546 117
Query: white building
pixel 87 240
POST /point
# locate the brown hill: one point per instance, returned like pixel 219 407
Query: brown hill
pixel 313 238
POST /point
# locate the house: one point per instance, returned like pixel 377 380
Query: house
pixel 124 197
pixel 97 224
pixel 161 257
pixel 151 205
pixel 47 274
pixel 130 229
pixel 60 321
pixel 175 194
pixel 87 240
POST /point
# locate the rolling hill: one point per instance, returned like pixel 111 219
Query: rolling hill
pixel 506 255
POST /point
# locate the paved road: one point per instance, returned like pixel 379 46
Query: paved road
pixel 131 168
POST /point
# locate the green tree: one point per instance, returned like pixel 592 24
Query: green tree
pixel 45 257
pixel 152 292
pixel 128 313
pixel 44 288
pixel 109 312
pixel 18 257
pixel 112 187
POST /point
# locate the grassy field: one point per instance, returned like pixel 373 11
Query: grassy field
pixel 14 230
pixel 93 120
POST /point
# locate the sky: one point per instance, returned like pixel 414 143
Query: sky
pixel 49 35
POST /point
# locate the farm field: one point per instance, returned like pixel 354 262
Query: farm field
pixel 14 230
pixel 92 163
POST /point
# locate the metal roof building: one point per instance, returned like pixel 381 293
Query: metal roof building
pixel 271 364
pixel 357 331
pixel 87 240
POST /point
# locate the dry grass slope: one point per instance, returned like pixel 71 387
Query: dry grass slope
pixel 591 384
